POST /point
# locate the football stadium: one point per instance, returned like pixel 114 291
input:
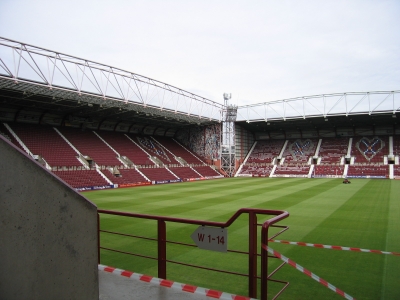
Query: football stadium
pixel 106 173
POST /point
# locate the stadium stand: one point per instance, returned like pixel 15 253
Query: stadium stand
pixel 296 157
pixel 88 144
pixel 256 169
pixel 368 153
pixel 178 150
pixel 396 152
pixel 126 176
pixel 265 151
pixel 328 170
pixel 396 170
pixel 154 149
pixel 292 169
pixel 206 171
pixel 261 158
pixel 126 147
pixel 331 151
pixel 46 142
pixel 396 145
pixel 184 172
pixel 369 149
pixel 158 174
pixel 82 178
pixel 369 170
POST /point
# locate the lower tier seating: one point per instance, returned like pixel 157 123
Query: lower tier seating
pixel 158 174
pixel 368 170
pixel 257 170
pixel 329 170
pixel 127 176
pixel 206 171
pixel 82 178
pixel 184 172
pixel 292 169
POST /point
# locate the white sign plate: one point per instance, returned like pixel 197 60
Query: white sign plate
pixel 211 238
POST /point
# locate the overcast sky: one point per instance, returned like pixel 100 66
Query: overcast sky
pixel 257 50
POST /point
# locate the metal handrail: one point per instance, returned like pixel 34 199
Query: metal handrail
pixel 252 253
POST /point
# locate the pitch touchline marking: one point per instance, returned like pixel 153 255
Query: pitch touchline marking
pixel 335 247
pixel 307 272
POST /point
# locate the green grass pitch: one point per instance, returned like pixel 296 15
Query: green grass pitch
pixel 364 214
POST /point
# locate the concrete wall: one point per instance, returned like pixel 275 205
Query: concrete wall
pixel 48 233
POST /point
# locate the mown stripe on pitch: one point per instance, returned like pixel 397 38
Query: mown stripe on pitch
pixel 359 222
pixel 190 200
pixel 229 202
pixel 391 269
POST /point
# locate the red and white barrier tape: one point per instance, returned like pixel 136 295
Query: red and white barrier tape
pixel 171 284
pixel 335 247
pixel 307 272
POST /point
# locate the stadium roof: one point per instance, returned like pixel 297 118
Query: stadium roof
pixel 49 82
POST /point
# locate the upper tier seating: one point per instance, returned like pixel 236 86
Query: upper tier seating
pixel 369 155
pixel 261 158
pixel 299 151
pixel 89 144
pixel 46 142
pixel 396 151
pixel 265 151
pixel 369 149
pixel 396 145
pixel 154 149
pixel 178 150
pixel 333 149
pixel 125 147
pixel 297 154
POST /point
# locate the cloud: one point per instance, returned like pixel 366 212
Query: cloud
pixel 258 51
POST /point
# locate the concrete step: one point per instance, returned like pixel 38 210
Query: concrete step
pixel 117 284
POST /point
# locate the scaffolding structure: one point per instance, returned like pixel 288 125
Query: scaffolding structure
pixel 228 151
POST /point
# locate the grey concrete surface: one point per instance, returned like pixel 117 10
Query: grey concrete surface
pixel 48 233
pixel 117 287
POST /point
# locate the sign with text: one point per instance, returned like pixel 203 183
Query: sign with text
pixel 211 238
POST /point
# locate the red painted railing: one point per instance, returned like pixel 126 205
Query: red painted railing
pixel 162 241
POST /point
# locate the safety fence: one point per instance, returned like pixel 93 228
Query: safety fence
pixel 252 253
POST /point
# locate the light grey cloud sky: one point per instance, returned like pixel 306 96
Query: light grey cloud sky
pixel 257 50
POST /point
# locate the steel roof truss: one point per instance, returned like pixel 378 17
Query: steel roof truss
pixel 313 106
pixel 300 114
pixel 334 105
pixel 380 103
pixel 361 100
pixel 3 65
pixel 69 74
